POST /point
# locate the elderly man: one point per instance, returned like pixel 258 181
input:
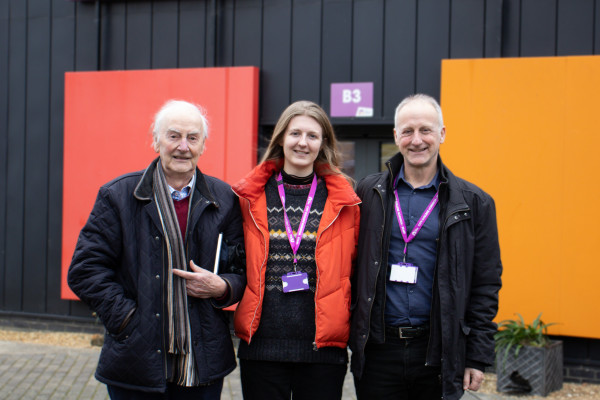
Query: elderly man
pixel 143 263
pixel 428 271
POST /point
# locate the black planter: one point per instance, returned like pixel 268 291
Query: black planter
pixel 535 371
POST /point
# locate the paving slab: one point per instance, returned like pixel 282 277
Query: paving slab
pixel 30 371
pixel 41 372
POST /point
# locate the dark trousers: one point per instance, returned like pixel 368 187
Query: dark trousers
pixel 396 370
pixel 280 380
pixel 174 392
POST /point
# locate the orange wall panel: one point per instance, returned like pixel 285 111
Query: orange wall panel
pixel 107 131
pixel 522 129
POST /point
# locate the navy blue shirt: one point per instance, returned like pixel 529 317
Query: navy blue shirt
pixel 409 304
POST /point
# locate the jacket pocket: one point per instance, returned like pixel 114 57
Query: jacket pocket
pixel 127 329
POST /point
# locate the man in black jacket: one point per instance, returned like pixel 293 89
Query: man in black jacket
pixel 146 263
pixel 425 290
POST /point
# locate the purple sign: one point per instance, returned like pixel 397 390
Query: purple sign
pixel 353 99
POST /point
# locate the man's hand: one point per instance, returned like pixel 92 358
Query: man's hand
pixel 472 379
pixel 202 283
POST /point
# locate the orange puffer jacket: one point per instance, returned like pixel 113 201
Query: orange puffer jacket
pixel 335 255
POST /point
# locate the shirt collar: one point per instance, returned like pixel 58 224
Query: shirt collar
pixel 435 182
pixel 184 192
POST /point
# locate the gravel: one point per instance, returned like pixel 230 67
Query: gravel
pixel 68 339
pixel 578 391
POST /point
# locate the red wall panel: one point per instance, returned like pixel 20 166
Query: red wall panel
pixel 107 133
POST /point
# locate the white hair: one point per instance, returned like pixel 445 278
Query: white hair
pixel 171 105
pixel 423 97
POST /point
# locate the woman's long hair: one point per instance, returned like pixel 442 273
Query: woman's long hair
pixel 328 159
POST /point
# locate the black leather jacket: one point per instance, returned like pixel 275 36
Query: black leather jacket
pixel 119 266
pixel 466 283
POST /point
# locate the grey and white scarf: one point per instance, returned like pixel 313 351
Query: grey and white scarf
pixel 180 343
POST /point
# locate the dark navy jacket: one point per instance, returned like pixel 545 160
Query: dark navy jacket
pixel 119 265
pixel 466 281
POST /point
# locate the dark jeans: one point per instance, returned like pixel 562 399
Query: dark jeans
pixel 279 380
pixel 174 392
pixel 396 370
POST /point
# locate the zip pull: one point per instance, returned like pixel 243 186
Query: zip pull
pixel 315 346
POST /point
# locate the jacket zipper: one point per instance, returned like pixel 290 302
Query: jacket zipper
pixel 187 258
pixel 164 344
pixel 435 277
pixel 376 276
pixel 187 245
pixel 315 348
pixel 435 274
pixel 250 334
pixel 383 235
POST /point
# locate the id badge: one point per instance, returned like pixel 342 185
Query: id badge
pixel 294 281
pixel 404 273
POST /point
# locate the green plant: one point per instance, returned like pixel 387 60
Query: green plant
pixel 516 333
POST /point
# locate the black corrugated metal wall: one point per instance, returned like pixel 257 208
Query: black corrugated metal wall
pixel 300 46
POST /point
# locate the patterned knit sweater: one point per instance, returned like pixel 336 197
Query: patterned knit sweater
pixel 287 325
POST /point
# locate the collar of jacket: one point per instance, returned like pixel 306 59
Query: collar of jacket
pixel 143 190
pixel 452 199
pixel 251 187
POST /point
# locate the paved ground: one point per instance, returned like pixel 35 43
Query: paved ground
pixel 32 371
pixel 40 372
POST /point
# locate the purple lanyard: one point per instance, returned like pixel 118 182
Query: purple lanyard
pixel 420 222
pixel 295 240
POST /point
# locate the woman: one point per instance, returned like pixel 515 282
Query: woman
pixel 301 220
